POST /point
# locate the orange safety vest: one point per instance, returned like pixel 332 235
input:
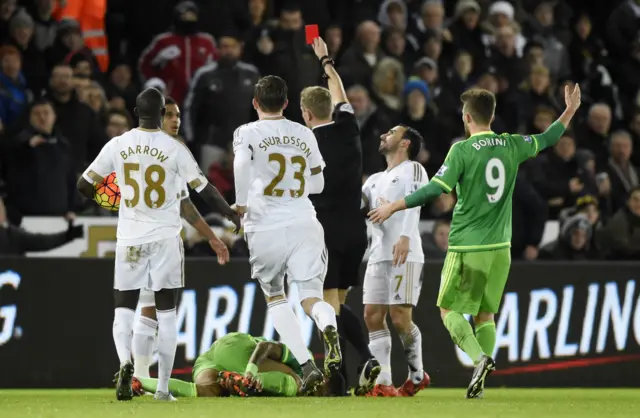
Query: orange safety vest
pixel 90 15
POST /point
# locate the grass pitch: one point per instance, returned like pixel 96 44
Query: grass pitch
pixel 436 403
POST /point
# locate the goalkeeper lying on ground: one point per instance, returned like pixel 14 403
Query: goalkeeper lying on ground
pixel 242 365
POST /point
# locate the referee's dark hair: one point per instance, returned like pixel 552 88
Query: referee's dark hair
pixel 414 138
pixel 270 93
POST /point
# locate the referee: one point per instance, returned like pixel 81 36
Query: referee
pixel 328 113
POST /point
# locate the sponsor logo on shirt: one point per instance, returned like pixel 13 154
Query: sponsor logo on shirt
pixel 527 138
pixel 442 170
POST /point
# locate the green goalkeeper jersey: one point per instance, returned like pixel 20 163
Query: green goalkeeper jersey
pixel 483 170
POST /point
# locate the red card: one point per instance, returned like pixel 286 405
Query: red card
pixel 312 32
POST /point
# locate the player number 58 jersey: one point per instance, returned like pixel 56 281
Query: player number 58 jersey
pixel 392 185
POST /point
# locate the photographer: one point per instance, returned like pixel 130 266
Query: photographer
pixel 328 113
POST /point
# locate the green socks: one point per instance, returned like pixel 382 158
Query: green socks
pixel 486 336
pixel 462 334
pixel 177 387
pixel 278 384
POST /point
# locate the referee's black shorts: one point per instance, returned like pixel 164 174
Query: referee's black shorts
pixel 346 244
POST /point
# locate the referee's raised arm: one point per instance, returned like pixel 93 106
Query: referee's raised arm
pixel 328 113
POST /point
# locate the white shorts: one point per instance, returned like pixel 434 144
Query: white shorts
pixel 297 251
pixel 147 298
pixel 385 284
pixel 156 265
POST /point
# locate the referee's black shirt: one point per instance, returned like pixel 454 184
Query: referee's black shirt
pixel 338 206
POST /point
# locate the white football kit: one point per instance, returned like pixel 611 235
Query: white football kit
pixel 151 168
pixel 385 284
pixel 277 165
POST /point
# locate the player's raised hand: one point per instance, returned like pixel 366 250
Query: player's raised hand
pixel 320 48
pixel 401 251
pixel 572 96
pixel 221 250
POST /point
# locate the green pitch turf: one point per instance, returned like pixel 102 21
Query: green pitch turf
pixel 432 403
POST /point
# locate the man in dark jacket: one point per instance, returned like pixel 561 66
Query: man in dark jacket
pixel 594 135
pixel 358 61
pixel 40 173
pixel 75 120
pixel 16 241
pixel 574 242
pixel 218 101
pixel 619 239
pixel 622 174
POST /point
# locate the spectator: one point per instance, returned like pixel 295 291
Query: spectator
pixel 435 244
pixel 501 15
pixel 34 65
pixel 427 70
pixel 14 95
pixel 394 46
pixel 84 65
pixel 488 81
pixel 586 50
pixel 393 14
pixel 457 78
pixel 118 122
pixel 619 239
pixel 574 242
pixel 505 59
pixel 622 29
pixel 559 178
pixel 282 51
pixel 96 99
pixel 595 134
pixel 218 101
pixel 430 20
pixel 590 207
pixel 423 116
pixel 432 46
pixel 543 117
pixel 46 26
pixel 529 219
pixel 75 120
pixel 68 43
pixel 8 9
pixel 623 175
pixel 17 241
pixel 358 61
pixel 334 40
pixel 634 130
pixel 534 54
pixel 556 56
pixel 388 84
pixel 121 87
pixel 466 33
pixel 441 208
pixel 41 157
pixel 175 56
pixel 259 13
pixel 372 123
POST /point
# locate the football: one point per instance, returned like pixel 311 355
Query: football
pixel 107 193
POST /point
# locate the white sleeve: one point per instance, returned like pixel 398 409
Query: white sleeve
pixel 365 200
pixel 189 169
pixel 316 183
pixel 414 178
pixel 315 159
pixel 102 166
pixel 241 166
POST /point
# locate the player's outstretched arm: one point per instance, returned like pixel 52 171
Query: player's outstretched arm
pixel 552 135
pixel 420 197
pixel 191 214
pixel 338 95
pixel 214 199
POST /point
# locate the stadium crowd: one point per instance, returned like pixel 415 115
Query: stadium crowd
pixel 70 71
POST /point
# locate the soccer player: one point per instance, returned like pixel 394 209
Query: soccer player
pixel 277 165
pixel 483 170
pixel 393 279
pixel 331 118
pixel 238 364
pixel 144 331
pixel 152 168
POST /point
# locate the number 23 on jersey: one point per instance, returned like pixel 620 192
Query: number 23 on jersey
pixel 297 160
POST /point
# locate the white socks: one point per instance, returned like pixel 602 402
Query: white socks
pixel 324 315
pixel 167 343
pixel 144 334
pixel 380 347
pixel 122 328
pixel 412 343
pixel 286 323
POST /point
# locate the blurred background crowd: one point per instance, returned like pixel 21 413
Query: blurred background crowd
pixel 70 71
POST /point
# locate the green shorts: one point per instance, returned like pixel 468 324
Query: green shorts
pixel 230 353
pixel 474 282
